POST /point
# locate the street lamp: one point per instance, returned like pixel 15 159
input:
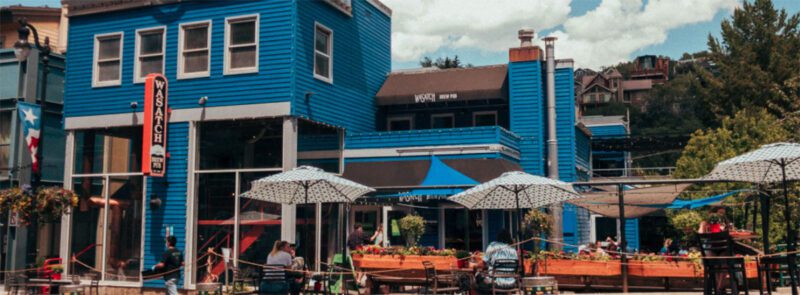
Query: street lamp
pixel 22 49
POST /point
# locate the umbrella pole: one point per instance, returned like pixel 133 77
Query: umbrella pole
pixel 623 243
pixel 519 234
pixel 306 226
pixel 765 221
pixel 789 232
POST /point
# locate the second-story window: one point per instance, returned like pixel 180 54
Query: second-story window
pixel 323 53
pixel 193 56
pixel 484 118
pixel 241 44
pixel 107 60
pixel 400 123
pixel 149 53
pixel 439 121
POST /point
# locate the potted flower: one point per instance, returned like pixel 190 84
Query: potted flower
pixel 462 258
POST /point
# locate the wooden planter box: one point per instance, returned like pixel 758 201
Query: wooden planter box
pixel 665 269
pixel 677 269
pixel 414 262
pixel 567 267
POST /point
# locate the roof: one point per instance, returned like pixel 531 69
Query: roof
pixel 414 173
pixel 32 11
pixel 423 86
pixel 83 7
pixel 629 85
pixel 590 121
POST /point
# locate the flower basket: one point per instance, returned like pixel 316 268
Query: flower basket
pixel 47 204
pixel 54 202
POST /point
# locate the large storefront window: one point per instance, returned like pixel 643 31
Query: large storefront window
pixel 241 144
pixel 463 229
pixel 232 154
pixel 106 227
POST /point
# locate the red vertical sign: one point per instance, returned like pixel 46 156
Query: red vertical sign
pixel 154 143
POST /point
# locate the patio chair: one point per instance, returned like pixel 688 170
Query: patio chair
pixel 94 283
pixel 273 280
pixel 768 267
pixel 721 244
pixel 503 269
pixel 432 283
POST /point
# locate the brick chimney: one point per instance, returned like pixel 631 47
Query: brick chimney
pixel 526 50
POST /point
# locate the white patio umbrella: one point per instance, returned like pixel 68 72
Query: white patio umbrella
pixel 771 163
pixel 516 190
pixel 306 185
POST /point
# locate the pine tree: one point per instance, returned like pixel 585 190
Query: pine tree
pixel 758 60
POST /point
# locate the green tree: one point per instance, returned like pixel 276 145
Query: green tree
pixel 443 63
pixel 758 59
pixel 746 131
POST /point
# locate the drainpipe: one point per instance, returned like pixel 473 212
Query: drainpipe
pixel 552 142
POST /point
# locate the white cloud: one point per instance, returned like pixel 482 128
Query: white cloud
pixel 605 35
pixel 421 27
pixel 617 28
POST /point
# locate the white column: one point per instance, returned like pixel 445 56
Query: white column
pixel 318 236
pixel 66 219
pixel 289 212
pixel 191 204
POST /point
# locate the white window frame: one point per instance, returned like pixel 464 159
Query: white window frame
pixel 445 115
pixel 481 113
pixel 391 119
pixel 329 54
pixel 181 27
pixel 227 70
pixel 96 60
pixel 137 57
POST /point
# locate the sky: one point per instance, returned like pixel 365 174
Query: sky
pixel 594 33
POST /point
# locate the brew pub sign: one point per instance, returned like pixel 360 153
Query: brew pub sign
pixel 154 143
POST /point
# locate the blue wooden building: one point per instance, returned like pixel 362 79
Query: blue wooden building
pixel 259 87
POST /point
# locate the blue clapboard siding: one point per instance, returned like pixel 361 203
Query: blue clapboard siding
pixel 361 61
pixel 527 112
pixel 172 190
pixel 433 137
pixel 272 83
pixel 565 123
pixel 615 130
pixel 632 232
pixel 583 151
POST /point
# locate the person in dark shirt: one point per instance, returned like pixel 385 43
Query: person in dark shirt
pixel 171 262
pixel 356 238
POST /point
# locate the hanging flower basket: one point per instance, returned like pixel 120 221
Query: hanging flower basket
pixel 47 204
pixel 54 202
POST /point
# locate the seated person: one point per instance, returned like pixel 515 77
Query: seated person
pixel 500 249
pixel 281 255
pixel 666 249
pixel 598 249
pixel 585 249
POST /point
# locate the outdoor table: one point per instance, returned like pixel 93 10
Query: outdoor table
pixel 52 284
pixel 743 235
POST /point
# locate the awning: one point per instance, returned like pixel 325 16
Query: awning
pixel 434 178
pixel 433 85
pixel 638 201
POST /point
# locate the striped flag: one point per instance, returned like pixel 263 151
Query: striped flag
pixel 30 115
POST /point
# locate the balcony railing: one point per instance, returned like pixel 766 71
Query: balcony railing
pixel 450 137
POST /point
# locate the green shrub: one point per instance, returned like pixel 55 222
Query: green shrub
pixel 412 227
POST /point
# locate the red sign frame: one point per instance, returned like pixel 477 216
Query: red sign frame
pixel 156 117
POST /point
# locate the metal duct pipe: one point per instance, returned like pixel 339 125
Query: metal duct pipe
pixel 552 141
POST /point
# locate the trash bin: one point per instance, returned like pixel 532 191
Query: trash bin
pixel 540 285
